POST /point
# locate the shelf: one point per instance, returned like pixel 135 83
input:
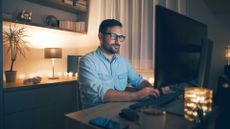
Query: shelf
pixel 75 21
pixel 6 22
pixel 61 5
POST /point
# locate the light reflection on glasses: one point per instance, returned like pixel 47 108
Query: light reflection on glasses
pixel 113 36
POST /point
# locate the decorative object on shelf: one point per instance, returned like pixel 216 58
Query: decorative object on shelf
pixel 73 25
pixel 15 45
pixel 197 104
pixel 25 16
pixel 34 80
pixel 71 13
pixel 53 53
pixel 52 21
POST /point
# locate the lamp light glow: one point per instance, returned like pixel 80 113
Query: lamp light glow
pixel 227 54
pixel 195 100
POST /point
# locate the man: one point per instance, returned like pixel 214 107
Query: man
pixel 103 74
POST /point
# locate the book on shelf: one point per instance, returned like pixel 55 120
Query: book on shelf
pixel 78 26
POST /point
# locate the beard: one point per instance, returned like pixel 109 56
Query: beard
pixel 112 48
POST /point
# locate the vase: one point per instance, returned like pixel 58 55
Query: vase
pixel 10 76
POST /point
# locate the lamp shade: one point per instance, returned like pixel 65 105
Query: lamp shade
pixel 227 52
pixel 53 53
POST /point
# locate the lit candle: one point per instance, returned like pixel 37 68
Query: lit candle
pixel 65 74
pixel 70 74
pixel 76 74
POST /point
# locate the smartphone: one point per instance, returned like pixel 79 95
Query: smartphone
pixel 106 123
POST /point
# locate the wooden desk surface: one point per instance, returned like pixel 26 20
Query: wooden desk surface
pixel 18 85
pixel 80 119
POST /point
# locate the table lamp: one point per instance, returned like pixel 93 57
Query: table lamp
pixel 227 66
pixel 53 54
pixel 227 54
pixel 197 103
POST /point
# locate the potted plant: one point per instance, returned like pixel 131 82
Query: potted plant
pixel 15 45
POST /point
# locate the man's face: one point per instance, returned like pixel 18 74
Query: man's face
pixel 110 41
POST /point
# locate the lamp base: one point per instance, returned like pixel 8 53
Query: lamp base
pixel 53 78
pixel 227 70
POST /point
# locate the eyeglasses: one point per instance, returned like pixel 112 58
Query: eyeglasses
pixel 113 36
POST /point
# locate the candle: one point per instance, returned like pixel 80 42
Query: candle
pixel 65 74
pixel 70 74
pixel 76 74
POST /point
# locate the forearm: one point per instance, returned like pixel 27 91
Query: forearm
pixel 144 84
pixel 113 95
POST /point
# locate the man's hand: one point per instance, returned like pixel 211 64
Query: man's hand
pixel 165 90
pixel 146 92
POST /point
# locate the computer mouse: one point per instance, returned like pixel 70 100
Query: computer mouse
pixel 129 114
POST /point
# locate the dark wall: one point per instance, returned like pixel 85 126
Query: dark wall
pixel 39 12
pixel 1 83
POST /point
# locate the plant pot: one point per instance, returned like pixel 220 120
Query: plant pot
pixel 10 76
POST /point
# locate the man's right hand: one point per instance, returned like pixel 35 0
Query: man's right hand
pixel 146 92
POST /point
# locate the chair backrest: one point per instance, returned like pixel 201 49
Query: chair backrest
pixel 78 92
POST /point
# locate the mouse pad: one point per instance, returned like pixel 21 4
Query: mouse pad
pixel 176 107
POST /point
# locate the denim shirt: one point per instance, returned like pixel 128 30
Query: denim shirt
pixel 97 74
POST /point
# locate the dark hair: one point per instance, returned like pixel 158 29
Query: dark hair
pixel 108 23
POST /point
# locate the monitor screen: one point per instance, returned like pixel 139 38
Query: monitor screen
pixel 178 47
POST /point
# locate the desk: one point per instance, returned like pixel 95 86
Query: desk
pixel 79 120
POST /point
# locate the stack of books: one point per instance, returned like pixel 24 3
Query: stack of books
pixel 78 26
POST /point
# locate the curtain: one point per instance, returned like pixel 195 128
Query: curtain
pixel 138 19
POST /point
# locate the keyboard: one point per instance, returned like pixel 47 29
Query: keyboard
pixel 158 101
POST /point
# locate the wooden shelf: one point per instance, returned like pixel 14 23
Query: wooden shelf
pixel 6 22
pixel 60 5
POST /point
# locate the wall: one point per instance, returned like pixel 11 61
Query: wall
pixel 217 32
pixel 72 43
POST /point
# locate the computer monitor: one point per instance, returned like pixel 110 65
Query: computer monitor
pixel 179 48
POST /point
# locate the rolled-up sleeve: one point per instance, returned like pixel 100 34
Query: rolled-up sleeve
pixel 90 85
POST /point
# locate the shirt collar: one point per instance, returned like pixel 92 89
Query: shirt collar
pixel 101 53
